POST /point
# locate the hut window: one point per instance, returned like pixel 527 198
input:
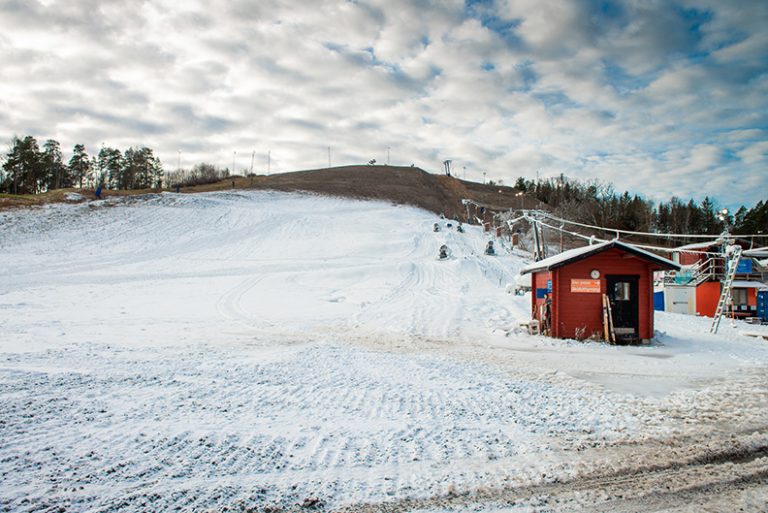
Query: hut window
pixel 621 291
pixel 739 296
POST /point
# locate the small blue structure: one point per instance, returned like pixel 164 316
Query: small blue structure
pixel 762 304
pixel 744 266
pixel 658 301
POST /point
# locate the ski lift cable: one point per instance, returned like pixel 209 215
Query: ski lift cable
pixel 531 219
pixel 629 232
pixel 575 234
pixel 641 246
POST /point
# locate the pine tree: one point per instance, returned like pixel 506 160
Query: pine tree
pixel 110 168
pixel 56 173
pixel 131 169
pixel 24 166
pixel 738 217
pixel 708 223
pixel 79 165
pixel 663 218
pixel 755 220
pixel 695 219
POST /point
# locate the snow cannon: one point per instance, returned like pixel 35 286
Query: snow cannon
pixel 489 250
pixel 444 252
pixel 435 227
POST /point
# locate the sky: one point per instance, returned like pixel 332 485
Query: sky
pixel 660 98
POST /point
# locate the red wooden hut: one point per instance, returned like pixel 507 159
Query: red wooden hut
pixel 567 290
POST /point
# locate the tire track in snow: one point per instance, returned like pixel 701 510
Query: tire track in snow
pixel 230 306
pixel 692 476
pixel 199 421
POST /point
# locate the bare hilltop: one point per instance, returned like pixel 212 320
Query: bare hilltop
pixel 440 194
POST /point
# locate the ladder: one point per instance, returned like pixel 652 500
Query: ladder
pixel 725 296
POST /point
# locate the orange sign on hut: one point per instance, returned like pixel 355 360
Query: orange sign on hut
pixel 585 286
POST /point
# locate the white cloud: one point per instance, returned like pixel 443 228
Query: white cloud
pixel 653 96
pixel 755 154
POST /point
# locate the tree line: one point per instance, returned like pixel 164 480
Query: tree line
pixel 598 203
pixel 200 174
pixel 29 170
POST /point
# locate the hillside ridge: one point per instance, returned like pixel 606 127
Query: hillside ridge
pixel 404 185
pixel 440 194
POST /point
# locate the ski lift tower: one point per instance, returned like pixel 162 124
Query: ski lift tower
pixel 732 254
pixel 447 166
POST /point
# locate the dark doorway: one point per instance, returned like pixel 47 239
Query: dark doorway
pixel 623 295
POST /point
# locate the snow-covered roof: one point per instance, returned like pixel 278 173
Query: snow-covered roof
pixel 744 284
pixel 573 255
pixel 756 252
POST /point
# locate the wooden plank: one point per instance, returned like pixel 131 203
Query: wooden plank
pixel 611 329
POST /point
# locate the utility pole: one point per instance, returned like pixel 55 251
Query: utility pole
pixel 387 155
pixel 269 161
pixel 329 156
pixel 253 156
pixel 536 242
pixel 234 154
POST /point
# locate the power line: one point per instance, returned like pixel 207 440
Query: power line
pixel 629 232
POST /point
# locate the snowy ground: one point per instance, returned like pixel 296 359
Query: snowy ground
pixel 255 350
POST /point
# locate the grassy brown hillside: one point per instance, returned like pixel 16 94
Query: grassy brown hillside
pixel 401 185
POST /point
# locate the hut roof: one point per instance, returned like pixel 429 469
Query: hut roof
pixel 574 255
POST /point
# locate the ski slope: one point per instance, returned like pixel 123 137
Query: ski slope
pixel 246 263
pixel 250 349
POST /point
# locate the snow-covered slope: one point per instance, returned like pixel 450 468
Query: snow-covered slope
pixel 174 268
pixel 244 349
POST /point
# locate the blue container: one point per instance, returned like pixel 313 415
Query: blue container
pixel 744 266
pixel 762 304
pixel 658 301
